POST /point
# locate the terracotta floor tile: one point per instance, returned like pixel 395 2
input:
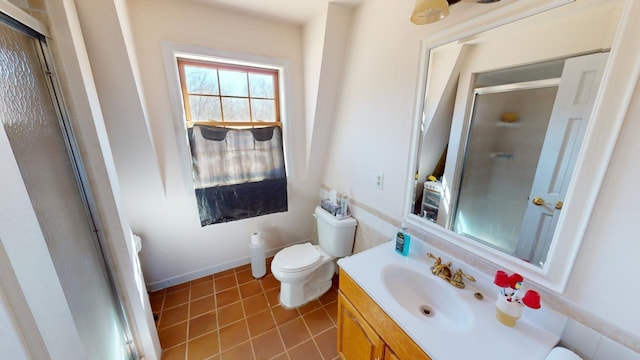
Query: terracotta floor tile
pixel 293 333
pixel 317 321
pixel 201 306
pixel 176 298
pixel 255 304
pixel 227 297
pixel 328 297
pixel 244 276
pixel 202 324
pixel 156 303
pixel 310 306
pixel 230 314
pixel 273 297
pixel 223 273
pixel 307 351
pixel 241 322
pixel 269 282
pixel 174 315
pixel 202 279
pixel 173 335
pixel 178 287
pixel 202 289
pixel 267 345
pixel 233 335
pixel 175 353
pixel 327 343
pixel 283 315
pixel 260 322
pixel 249 289
pixel 225 283
pixel 157 293
pixel 240 352
pixel 282 356
pixel 242 268
pixel 203 347
pixel 332 310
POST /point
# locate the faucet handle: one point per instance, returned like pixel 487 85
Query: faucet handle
pixel 456 279
pixel 437 259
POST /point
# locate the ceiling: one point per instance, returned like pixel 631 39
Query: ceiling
pixel 291 11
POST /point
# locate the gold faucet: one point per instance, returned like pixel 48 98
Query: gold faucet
pixel 439 269
pixel 443 271
pixel 456 279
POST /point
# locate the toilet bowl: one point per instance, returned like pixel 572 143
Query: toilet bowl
pixel 304 270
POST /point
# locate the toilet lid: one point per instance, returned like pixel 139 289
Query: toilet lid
pixel 296 258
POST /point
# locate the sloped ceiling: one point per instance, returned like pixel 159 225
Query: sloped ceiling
pixel 292 11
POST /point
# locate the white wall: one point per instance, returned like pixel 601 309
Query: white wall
pixel 372 134
pixel 175 247
pixel 603 280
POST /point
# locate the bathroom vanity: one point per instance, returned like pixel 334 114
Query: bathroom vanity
pixel 392 307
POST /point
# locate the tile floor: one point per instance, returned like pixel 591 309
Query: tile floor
pixel 231 315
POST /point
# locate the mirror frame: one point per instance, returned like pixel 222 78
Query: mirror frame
pixel 609 112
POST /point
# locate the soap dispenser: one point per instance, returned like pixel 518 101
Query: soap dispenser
pixel 403 240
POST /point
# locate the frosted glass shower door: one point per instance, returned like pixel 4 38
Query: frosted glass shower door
pixel 43 148
pixel 506 135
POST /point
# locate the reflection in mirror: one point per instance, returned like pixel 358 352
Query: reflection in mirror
pixel 504 116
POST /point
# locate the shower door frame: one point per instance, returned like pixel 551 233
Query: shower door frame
pixel 462 158
pixel 15 18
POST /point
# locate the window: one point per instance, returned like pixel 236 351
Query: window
pixel 233 123
pixel 229 95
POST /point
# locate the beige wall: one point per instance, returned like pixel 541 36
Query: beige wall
pixel 372 134
pixel 175 247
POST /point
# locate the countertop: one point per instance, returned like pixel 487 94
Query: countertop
pixel 486 338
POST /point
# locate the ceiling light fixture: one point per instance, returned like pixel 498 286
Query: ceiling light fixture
pixel 430 11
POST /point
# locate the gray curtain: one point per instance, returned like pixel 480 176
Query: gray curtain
pixel 237 173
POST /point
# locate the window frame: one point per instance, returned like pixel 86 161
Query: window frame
pixel 221 65
pixel 172 50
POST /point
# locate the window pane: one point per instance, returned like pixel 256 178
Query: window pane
pixel 204 108
pixel 201 80
pixel 233 83
pixel 263 110
pixel 235 109
pixel 261 85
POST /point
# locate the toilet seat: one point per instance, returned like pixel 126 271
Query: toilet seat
pixel 297 258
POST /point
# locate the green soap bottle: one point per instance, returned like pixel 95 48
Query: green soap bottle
pixel 403 241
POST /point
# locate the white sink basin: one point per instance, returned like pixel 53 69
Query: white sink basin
pixel 459 326
pixel 427 297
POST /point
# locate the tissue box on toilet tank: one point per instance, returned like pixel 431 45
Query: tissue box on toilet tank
pixel 330 207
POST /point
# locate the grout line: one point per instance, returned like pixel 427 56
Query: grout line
pixel 215 309
pixel 186 345
pixel 246 322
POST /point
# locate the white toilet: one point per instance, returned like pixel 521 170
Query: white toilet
pixel 304 270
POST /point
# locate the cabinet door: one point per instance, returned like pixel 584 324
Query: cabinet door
pixel 356 338
pixel 389 355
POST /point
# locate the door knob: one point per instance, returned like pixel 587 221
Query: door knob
pixel 538 201
pixel 559 205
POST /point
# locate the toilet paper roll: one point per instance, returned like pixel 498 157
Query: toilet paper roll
pixel 256 239
pixel 560 353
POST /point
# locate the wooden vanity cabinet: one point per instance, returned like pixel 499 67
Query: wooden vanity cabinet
pixel 356 338
pixel 366 332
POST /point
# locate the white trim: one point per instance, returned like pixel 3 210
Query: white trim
pixel 171 51
pixel 22 17
pixel 618 85
pixel 159 285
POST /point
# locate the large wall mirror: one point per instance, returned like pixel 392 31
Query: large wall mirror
pixel 507 127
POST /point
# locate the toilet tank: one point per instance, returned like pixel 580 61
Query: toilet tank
pixel 335 236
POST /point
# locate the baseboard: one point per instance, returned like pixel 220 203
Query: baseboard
pixel 162 284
